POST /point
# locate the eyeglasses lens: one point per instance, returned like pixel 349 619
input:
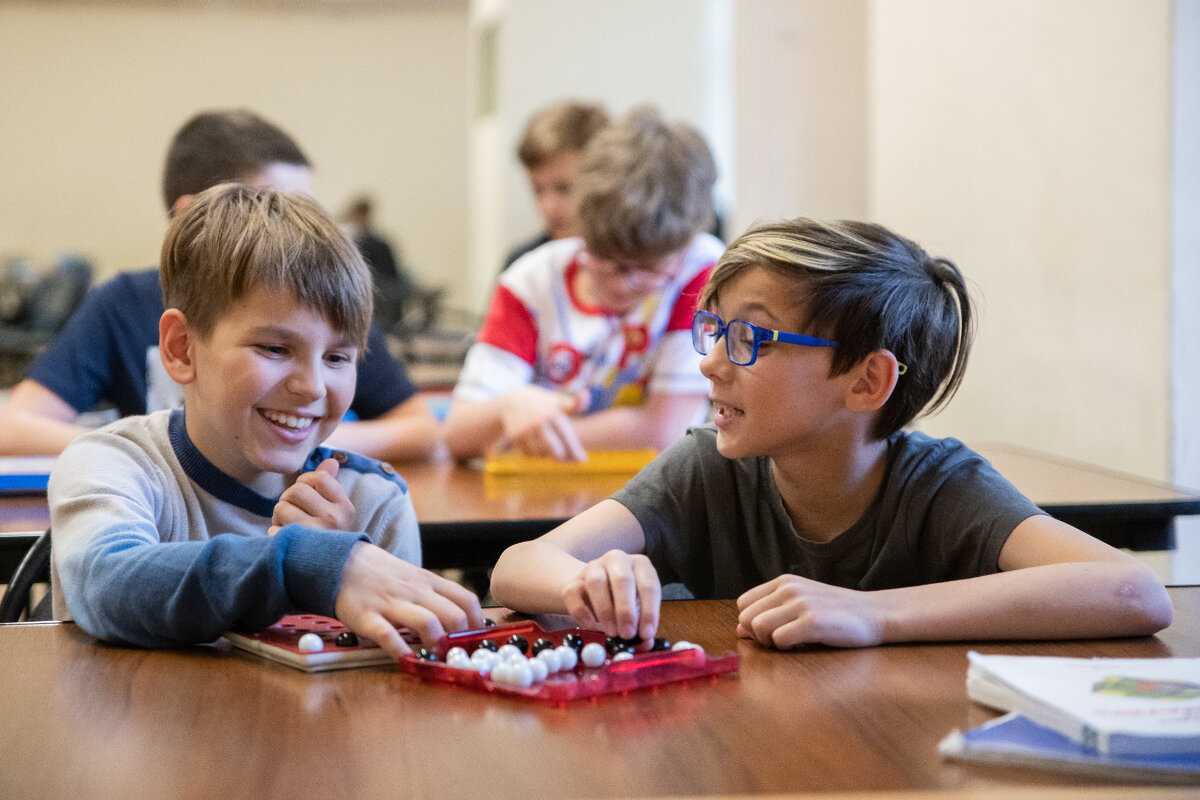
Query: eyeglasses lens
pixel 705 331
pixel 739 338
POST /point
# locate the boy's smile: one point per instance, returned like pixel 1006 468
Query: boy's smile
pixel 269 384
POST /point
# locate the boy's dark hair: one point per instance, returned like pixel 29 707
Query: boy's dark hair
pixel 559 128
pixel 218 146
pixel 644 187
pixel 868 289
pixel 233 239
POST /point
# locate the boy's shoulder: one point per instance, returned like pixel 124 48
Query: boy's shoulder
pixel 129 449
pixel 355 467
pixel 917 457
pixel 542 262
pixel 144 431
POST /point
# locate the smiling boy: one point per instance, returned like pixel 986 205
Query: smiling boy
pixel 161 521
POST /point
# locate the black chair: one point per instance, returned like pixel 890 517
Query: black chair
pixel 33 569
pixel 31 320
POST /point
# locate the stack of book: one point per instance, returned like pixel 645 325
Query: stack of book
pixel 25 474
pixel 1128 718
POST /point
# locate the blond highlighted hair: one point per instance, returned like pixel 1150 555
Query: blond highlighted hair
pixel 868 289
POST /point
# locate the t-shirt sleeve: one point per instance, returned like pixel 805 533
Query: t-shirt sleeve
pixel 972 512
pixel 667 499
pixel 677 366
pixel 505 351
pixel 78 363
pixel 382 381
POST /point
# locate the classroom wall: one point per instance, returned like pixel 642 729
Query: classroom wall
pixel 91 93
pixel 1030 141
pixel 527 54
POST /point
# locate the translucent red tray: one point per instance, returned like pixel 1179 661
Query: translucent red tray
pixel 642 671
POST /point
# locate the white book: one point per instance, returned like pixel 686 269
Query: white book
pixel 1111 705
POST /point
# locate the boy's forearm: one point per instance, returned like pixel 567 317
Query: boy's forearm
pixel 122 588
pixel 31 435
pixel 1078 600
pixel 408 432
pixel 36 422
pixel 530 577
pixel 472 427
pixel 655 424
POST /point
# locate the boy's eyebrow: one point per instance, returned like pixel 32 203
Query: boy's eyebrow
pixel 759 306
pixel 344 339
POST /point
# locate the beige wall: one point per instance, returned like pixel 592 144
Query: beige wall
pixel 1029 140
pixel 92 92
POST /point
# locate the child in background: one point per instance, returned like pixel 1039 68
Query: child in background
pixel 106 356
pixel 550 150
pixel 807 500
pixel 585 345
pixel 161 522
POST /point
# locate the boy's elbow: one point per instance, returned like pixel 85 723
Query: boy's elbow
pixel 501 581
pixel 507 581
pixel 1147 602
pixel 461 444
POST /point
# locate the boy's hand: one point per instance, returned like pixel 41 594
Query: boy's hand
pixel 316 499
pixel 380 593
pixel 618 593
pixel 789 611
pixel 537 422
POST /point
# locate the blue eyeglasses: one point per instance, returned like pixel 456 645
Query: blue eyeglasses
pixel 742 338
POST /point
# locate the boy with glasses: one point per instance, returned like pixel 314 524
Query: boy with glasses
pixel 807 500
pixel 586 342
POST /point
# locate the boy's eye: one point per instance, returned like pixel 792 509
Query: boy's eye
pixel 339 359
pixel 273 349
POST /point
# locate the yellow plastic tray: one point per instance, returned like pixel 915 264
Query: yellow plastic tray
pixel 599 462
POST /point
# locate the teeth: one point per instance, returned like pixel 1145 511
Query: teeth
pixel 288 421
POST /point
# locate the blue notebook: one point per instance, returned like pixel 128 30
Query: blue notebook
pixel 25 475
pixel 1013 739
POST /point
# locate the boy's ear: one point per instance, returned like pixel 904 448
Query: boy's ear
pixel 175 346
pixel 180 204
pixel 874 380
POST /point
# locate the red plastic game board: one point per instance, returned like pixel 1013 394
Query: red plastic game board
pixel 642 671
pixel 280 642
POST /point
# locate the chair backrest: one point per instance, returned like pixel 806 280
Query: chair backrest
pixel 58 294
pixel 33 569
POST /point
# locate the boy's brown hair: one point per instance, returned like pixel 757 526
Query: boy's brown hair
pixel 557 129
pixel 218 146
pixel 644 187
pixel 868 289
pixel 233 239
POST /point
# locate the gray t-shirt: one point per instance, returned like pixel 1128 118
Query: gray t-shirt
pixel 719 526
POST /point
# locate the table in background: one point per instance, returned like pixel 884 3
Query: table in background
pixel 82 719
pixel 468 517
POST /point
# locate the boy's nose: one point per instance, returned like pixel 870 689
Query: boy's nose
pixel 305 382
pixel 713 365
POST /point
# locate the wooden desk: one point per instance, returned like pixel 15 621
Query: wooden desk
pixel 1123 510
pixel 467 518
pixel 82 719
pixel 462 511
